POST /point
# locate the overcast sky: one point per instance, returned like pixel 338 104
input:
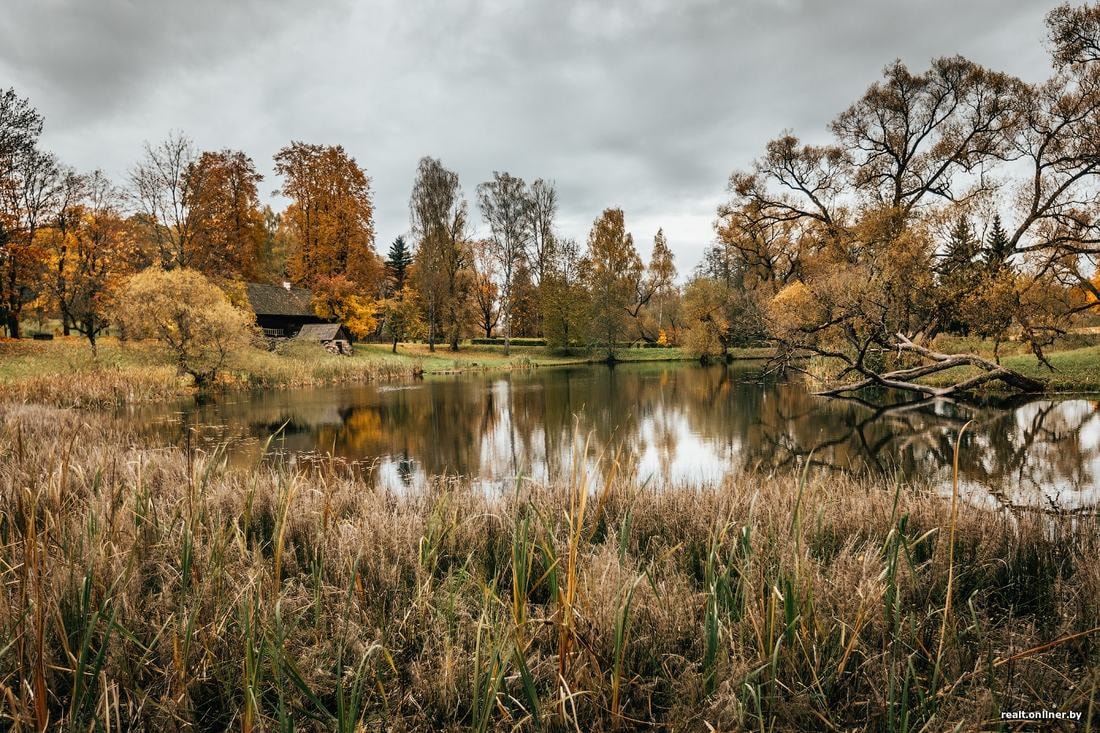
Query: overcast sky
pixel 643 104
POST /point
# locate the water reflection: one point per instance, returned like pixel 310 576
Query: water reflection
pixel 669 423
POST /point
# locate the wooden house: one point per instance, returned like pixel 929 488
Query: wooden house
pixel 333 336
pixel 281 310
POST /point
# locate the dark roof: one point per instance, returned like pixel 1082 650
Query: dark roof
pixel 322 332
pixel 276 300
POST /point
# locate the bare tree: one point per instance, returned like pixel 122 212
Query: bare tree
pixel 543 208
pixel 158 186
pixel 505 204
pixel 438 216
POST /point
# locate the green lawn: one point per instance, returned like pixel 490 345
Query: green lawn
pixel 445 361
pixel 1075 358
pixel 1077 370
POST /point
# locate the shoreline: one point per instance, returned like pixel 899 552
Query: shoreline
pixel 63 373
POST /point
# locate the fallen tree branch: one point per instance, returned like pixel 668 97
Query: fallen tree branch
pixel 901 379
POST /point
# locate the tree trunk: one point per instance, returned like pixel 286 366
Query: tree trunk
pixel 394 349
pixel 13 326
pixel 936 362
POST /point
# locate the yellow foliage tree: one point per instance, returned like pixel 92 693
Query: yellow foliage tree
pixel 189 314
pixel 337 298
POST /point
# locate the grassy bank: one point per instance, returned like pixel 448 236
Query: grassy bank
pixel 1077 370
pixel 442 360
pixel 1076 362
pixel 157 590
pixel 63 372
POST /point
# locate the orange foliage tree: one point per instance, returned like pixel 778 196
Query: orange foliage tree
pixel 29 183
pixel 331 217
pixel 226 222
pixel 89 245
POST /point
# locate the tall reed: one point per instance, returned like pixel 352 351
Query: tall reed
pixel 148 588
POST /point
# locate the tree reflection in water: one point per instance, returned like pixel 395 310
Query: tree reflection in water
pixel 667 423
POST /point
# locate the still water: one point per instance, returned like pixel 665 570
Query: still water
pixel 670 424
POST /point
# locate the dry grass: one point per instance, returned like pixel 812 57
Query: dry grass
pixel 64 372
pixel 147 588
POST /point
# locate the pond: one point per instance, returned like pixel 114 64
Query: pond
pixel 671 424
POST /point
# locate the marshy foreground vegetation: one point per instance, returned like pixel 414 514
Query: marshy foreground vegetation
pixel 156 588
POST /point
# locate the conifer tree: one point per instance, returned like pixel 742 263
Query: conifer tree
pixel 997 247
pixel 398 260
pixel 962 247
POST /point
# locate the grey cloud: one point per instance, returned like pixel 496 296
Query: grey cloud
pixel 645 104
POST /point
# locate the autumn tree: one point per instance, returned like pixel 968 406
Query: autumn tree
pixel 225 222
pixel 989 308
pixel 722 304
pixel 159 187
pixel 505 205
pixel 610 272
pixel 563 298
pixel 277 246
pixel 855 217
pixel 337 298
pixel 485 292
pixel 438 215
pixel 708 329
pixel 29 184
pixel 525 303
pixel 23 261
pixel 1074 33
pixel 401 316
pixel 331 217
pixel 655 281
pixel 188 314
pixel 90 247
pixel 66 217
